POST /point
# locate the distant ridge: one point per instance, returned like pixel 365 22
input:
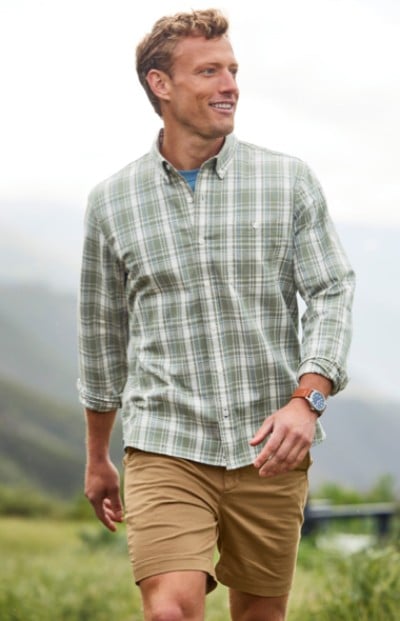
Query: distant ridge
pixel 362 442
pixel 42 426
pixel 38 340
pixel 42 442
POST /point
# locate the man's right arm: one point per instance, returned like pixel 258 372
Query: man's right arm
pixel 103 335
pixel 101 476
pixel 103 315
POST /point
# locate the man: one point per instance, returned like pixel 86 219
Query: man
pixel 193 259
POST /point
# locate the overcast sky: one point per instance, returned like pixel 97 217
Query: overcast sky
pixel 319 79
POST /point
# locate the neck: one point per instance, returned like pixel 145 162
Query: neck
pixel 188 153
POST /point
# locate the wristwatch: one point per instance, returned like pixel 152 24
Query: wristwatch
pixel 315 398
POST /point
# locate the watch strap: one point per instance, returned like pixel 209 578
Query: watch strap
pixel 305 393
pixel 302 392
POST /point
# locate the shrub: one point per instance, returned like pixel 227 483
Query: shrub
pixel 364 586
pixel 26 502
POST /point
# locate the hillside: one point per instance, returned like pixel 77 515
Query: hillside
pixel 42 428
pixel 42 442
pixel 34 258
pixel 38 340
pixel 362 442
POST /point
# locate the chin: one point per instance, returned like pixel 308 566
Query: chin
pixel 222 131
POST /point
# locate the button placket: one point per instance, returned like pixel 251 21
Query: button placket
pixel 208 302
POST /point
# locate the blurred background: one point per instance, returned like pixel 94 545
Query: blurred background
pixel 319 79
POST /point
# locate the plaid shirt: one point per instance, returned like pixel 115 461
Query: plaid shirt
pixel 188 307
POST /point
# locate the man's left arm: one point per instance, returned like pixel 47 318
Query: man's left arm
pixel 325 281
pixel 291 430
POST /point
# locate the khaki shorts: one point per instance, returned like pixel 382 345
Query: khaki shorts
pixel 178 512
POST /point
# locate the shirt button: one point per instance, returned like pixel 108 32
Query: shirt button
pixel 202 241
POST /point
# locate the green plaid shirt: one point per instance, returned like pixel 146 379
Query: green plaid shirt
pixel 189 318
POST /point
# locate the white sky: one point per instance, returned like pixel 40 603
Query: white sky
pixel 319 79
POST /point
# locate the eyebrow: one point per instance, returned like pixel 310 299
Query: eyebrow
pixel 206 63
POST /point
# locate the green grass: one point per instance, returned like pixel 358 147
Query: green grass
pixel 72 571
pixel 48 572
pixel 69 571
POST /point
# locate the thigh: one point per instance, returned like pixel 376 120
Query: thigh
pixel 170 515
pixel 260 525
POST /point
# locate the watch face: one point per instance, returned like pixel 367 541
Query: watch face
pixel 318 401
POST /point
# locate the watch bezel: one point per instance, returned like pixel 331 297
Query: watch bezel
pixel 320 396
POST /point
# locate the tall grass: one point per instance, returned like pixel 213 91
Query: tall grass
pixel 48 573
pixel 71 571
pixel 335 586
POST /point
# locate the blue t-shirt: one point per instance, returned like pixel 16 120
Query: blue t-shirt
pixel 190 176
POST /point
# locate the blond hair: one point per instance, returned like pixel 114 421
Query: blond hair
pixel 155 51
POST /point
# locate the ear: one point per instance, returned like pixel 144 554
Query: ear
pixel 159 83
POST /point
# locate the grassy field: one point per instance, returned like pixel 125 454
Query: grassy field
pixel 69 571
pixel 73 571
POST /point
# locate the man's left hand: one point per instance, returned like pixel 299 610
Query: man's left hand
pixel 291 432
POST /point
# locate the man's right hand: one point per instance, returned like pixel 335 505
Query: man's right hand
pixel 102 490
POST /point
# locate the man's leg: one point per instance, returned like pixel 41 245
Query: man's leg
pixel 260 522
pixel 174 596
pixel 246 607
pixel 171 517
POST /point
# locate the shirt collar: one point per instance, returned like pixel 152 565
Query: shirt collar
pixel 220 162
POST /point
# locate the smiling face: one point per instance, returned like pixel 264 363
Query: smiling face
pixel 200 97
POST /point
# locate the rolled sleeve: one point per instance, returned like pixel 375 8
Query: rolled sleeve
pixel 102 319
pixel 325 281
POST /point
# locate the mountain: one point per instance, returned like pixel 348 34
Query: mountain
pixel 38 357
pixel 42 427
pixel 40 242
pixel 361 445
pixel 375 256
pixel 42 442
pixel 38 340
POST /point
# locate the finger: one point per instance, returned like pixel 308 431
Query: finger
pixel 271 448
pixel 265 429
pixel 284 460
pixel 101 513
pixel 115 511
pixel 275 464
pixel 295 458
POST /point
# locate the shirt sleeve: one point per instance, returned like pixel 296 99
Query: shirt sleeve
pixel 325 281
pixel 102 320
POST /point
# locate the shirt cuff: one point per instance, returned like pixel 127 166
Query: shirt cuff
pixel 103 403
pixel 328 369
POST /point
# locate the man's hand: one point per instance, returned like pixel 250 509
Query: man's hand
pixel 102 490
pixel 291 430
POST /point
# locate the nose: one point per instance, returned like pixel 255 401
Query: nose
pixel 228 82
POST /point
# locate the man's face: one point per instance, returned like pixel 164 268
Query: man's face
pixel 202 90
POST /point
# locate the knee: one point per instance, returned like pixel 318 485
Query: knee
pixel 245 607
pixel 171 597
pixel 171 607
pixel 165 611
